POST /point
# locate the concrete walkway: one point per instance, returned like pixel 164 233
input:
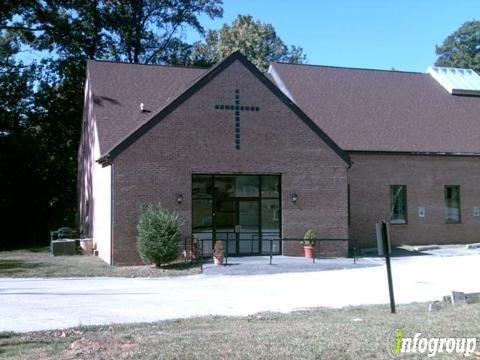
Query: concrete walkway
pixel 36 304
pixel 258 265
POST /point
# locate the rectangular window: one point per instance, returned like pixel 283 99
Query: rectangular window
pixel 452 204
pixel 270 186
pixel 202 186
pixel 398 204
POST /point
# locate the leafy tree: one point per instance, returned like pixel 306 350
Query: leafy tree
pixel 258 41
pixel 461 49
pixel 145 31
pixel 134 31
pixel 41 103
pixel 19 177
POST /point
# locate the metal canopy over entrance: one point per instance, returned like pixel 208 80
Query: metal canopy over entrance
pixel 242 210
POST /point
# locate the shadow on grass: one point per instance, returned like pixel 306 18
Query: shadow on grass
pixel 18 265
pixel 15 343
pixel 6 334
pixel 36 249
pixel 42 249
pixel 10 341
pixel 180 266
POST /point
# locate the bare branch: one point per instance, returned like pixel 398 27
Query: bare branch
pixel 166 43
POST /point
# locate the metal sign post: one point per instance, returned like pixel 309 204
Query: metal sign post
pixel 384 248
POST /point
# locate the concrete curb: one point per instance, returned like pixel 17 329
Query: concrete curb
pixel 426 247
pixel 473 246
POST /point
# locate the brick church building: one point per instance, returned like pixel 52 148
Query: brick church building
pixel 250 156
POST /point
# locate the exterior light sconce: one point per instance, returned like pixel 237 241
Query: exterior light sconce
pixel 179 197
pixel 294 197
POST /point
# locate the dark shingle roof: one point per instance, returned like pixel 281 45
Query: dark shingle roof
pixel 376 110
pixel 360 109
pixel 119 88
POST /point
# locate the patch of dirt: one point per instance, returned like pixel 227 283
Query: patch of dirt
pixel 108 348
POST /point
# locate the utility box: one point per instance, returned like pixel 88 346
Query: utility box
pixel 63 247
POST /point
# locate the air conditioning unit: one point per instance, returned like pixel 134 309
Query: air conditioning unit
pixel 63 247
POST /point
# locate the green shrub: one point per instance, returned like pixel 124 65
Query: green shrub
pixel 309 238
pixel 158 235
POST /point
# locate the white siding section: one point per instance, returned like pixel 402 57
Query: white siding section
pixel 102 209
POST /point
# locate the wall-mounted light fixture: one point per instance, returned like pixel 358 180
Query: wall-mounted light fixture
pixel 294 197
pixel 179 197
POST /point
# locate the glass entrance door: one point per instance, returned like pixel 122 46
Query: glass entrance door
pixel 243 211
pixel 237 224
pixel 225 215
pixel 248 227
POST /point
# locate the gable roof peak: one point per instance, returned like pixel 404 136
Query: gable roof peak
pixel 197 85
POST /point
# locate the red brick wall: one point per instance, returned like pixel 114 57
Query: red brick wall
pixel 196 138
pixel 370 178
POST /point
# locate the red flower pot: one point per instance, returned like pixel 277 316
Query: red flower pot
pixel 218 260
pixel 218 253
pixel 309 251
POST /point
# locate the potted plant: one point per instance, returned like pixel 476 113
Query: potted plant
pixel 218 252
pixel 191 251
pixel 195 248
pixel 308 244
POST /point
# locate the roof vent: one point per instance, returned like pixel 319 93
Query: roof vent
pixel 457 81
pixel 142 107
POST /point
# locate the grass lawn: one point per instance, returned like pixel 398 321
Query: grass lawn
pixel 40 263
pixel 348 333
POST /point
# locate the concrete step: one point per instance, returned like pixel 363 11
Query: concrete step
pixel 426 247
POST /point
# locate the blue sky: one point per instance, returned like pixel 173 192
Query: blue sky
pixel 399 34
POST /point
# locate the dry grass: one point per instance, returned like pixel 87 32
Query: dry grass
pixel 40 263
pixel 349 333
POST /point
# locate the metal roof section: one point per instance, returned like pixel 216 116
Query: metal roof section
pixel 457 81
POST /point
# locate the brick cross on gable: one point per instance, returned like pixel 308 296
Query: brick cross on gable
pixel 237 108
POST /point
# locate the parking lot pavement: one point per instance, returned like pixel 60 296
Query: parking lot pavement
pixel 39 304
pixel 453 251
pixel 256 265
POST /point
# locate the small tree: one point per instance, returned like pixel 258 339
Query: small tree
pixel 158 235
pixel 258 41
